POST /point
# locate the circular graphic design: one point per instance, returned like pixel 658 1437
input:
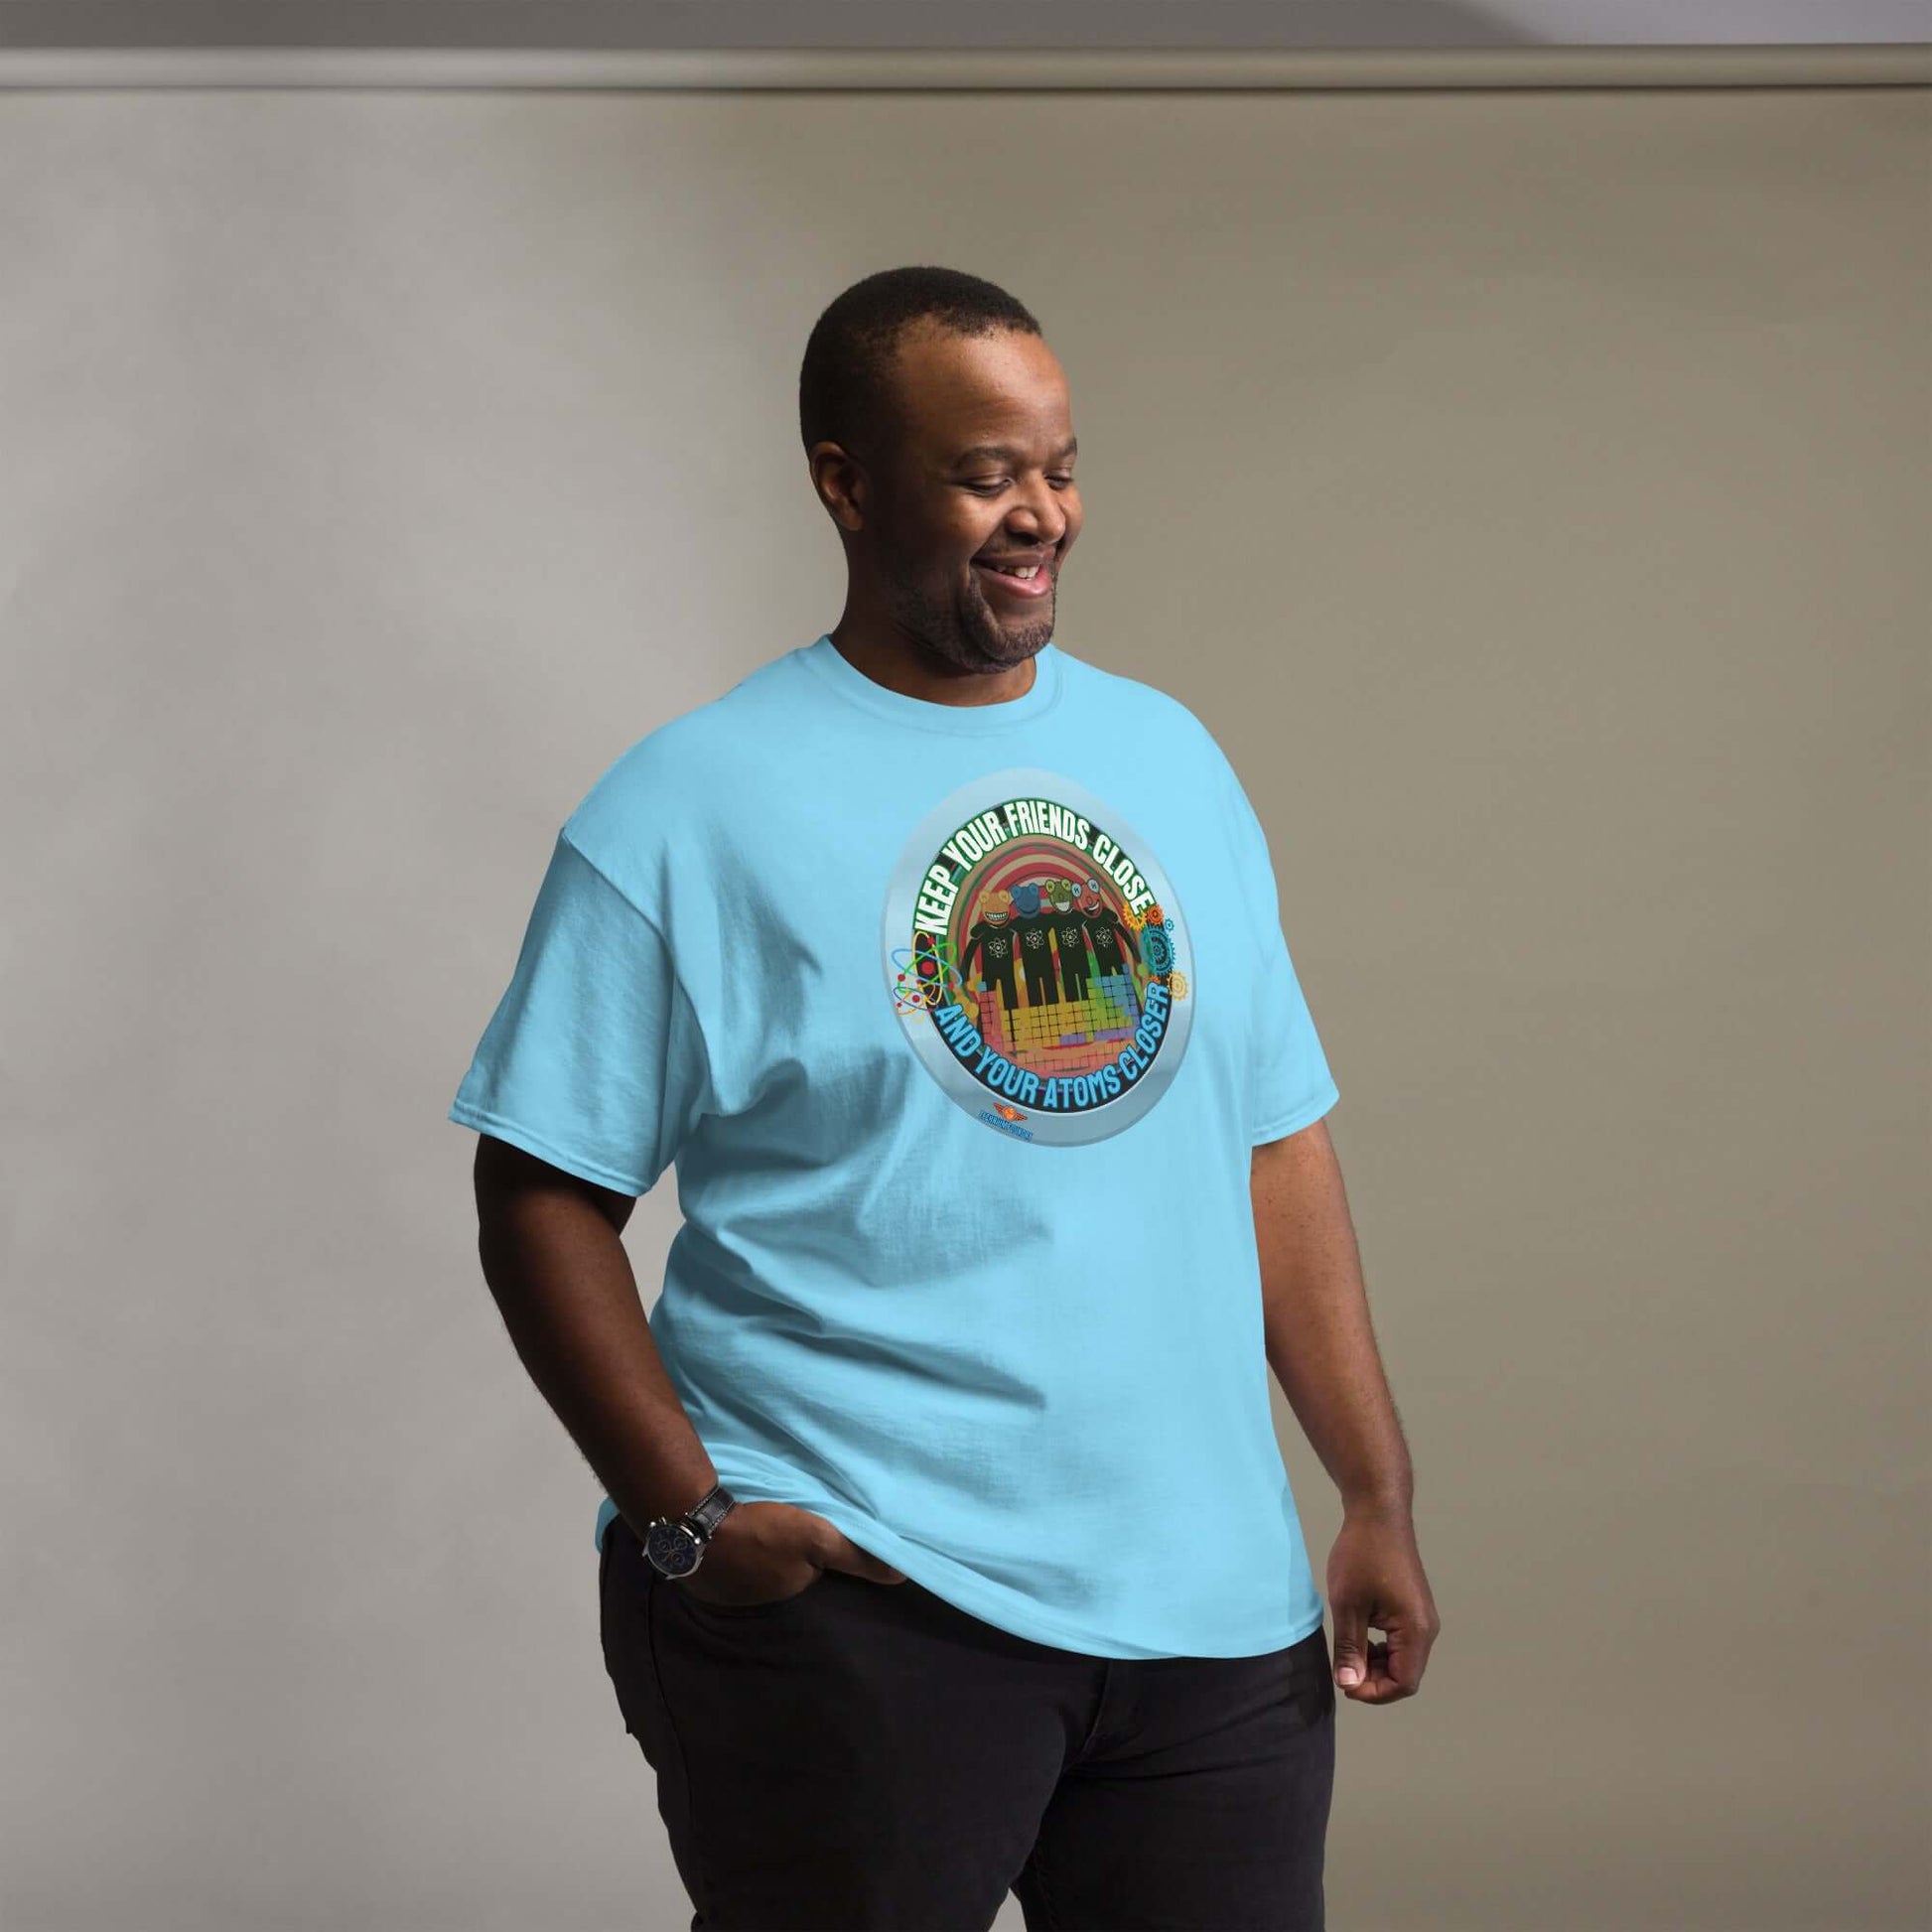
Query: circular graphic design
pixel 1038 961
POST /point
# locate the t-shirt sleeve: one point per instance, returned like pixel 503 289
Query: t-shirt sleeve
pixel 1292 1086
pixel 593 1061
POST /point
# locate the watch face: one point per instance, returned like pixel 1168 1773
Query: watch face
pixel 672 1549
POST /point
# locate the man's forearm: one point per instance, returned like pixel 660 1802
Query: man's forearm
pixel 1321 1345
pixel 564 1285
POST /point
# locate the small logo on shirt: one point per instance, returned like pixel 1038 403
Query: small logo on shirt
pixel 1035 953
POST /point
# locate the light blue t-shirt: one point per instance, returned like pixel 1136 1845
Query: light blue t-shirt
pixel 959 1024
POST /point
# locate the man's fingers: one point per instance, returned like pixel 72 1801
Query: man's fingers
pixel 1351 1644
pixel 1389 1677
pixel 863 1564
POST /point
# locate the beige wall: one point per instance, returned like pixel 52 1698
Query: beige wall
pixel 1530 490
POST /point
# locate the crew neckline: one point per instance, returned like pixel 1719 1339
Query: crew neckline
pixel 926 714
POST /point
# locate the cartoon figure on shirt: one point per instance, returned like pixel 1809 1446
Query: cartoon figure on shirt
pixel 1106 932
pixel 992 937
pixel 1070 940
pixel 1036 953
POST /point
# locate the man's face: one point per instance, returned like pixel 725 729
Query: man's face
pixel 932 508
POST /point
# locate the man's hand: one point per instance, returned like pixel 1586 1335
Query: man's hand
pixel 765 1552
pixel 1375 1577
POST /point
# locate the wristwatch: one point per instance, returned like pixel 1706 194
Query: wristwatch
pixel 675 1545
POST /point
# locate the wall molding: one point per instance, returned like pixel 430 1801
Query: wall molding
pixel 1014 69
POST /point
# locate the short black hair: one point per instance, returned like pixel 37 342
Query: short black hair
pixel 846 391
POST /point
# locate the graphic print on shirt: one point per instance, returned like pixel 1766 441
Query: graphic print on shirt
pixel 1036 958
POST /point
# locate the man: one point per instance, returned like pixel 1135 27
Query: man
pixel 948 1549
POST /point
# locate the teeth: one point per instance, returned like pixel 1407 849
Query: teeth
pixel 1032 570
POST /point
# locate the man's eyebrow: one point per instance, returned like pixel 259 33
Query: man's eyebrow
pixel 1071 447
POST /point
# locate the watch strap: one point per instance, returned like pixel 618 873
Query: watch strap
pixel 706 1515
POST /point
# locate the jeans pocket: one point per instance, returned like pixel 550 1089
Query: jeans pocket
pixel 767 1606
pixel 1312 1676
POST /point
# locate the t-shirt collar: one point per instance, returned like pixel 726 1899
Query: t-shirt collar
pixel 830 664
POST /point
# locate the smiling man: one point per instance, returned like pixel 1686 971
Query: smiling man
pixel 947 1546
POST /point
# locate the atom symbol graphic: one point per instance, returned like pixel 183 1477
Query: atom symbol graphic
pixel 925 973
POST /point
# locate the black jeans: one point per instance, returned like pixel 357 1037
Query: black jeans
pixel 868 1756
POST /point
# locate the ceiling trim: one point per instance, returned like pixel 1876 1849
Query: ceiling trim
pixel 1018 70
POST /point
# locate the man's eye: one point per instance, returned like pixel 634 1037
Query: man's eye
pixel 985 489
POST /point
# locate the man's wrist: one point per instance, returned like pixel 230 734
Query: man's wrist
pixel 678 1497
pixel 1396 1502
